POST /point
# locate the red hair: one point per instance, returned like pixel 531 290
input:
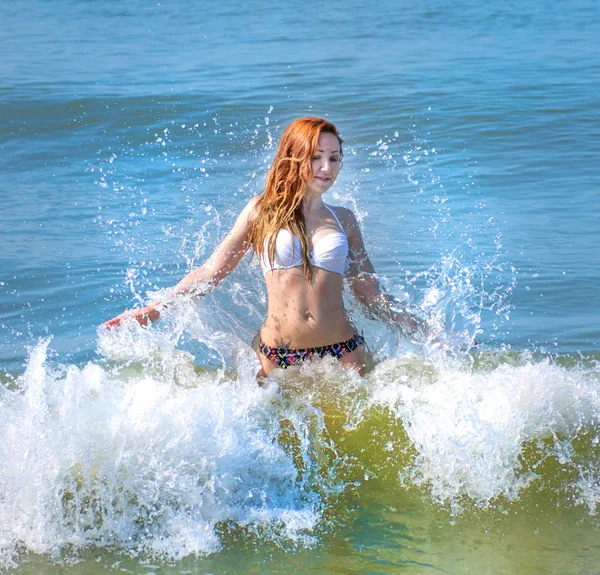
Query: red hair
pixel 281 203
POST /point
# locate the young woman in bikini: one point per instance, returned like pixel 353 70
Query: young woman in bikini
pixel 305 249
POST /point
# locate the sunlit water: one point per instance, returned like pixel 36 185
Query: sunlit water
pixel 132 135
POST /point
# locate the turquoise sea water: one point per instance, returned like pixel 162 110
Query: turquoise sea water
pixel 130 136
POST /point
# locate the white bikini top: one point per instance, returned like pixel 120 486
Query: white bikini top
pixel 329 252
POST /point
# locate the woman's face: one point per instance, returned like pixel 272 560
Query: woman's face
pixel 326 164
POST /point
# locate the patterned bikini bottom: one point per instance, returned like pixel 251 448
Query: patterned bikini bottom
pixel 285 357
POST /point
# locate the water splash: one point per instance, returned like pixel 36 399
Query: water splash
pixel 471 428
pixel 149 455
pixel 132 458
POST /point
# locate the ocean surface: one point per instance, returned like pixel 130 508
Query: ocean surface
pixel 132 133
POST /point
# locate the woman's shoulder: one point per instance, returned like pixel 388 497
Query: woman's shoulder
pixel 252 202
pixel 250 208
pixel 345 215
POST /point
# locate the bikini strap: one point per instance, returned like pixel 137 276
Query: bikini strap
pixel 335 218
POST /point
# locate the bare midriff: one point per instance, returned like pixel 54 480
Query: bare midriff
pixel 302 314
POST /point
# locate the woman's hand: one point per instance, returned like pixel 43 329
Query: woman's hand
pixel 143 315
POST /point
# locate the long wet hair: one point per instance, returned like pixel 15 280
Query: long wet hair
pixel 280 206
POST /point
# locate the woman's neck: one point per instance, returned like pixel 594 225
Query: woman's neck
pixel 312 202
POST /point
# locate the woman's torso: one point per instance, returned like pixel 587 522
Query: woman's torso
pixel 305 314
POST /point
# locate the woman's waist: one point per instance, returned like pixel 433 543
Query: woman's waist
pixel 301 334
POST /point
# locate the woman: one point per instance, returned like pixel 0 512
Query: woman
pixel 305 248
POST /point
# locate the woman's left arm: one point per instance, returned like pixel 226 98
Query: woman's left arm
pixel 368 291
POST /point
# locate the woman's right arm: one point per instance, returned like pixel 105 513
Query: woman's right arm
pixel 201 280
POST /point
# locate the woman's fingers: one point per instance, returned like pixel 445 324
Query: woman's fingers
pixel 115 321
pixel 143 316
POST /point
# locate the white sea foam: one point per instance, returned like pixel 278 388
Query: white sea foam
pixel 470 427
pixel 127 457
